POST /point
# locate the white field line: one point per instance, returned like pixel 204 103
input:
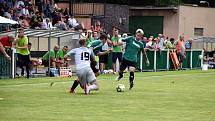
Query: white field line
pixel 151 76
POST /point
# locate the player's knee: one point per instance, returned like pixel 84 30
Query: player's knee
pixel 131 69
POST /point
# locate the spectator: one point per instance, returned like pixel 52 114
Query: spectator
pixel 169 44
pixel 53 57
pixel 19 3
pixel 24 10
pixel 56 17
pixel 66 12
pixel 61 25
pixel 161 41
pixel 95 35
pixel 188 44
pixel 98 27
pixel 24 22
pixel 156 45
pixel 44 24
pixel 117 49
pixel 48 9
pixel 6 42
pixel 149 44
pixel 180 50
pixel 73 23
pixel 7 14
pixel 60 56
pixel 22 51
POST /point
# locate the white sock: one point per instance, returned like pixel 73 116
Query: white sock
pixel 93 87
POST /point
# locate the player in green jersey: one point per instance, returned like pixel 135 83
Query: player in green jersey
pixel 133 46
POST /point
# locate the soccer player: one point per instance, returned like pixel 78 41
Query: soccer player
pixel 83 70
pixel 95 46
pixel 133 46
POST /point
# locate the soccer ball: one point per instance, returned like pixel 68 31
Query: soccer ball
pixel 200 57
pixel 120 88
pixel 40 62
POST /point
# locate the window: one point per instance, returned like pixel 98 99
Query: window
pixel 198 31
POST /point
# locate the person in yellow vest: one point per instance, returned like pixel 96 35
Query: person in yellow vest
pixel 180 50
pixel 23 51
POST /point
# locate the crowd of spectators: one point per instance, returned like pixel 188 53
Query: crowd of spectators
pixel 49 16
pixel 45 15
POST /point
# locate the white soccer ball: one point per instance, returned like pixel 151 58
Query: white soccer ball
pixel 200 57
pixel 120 88
pixel 40 61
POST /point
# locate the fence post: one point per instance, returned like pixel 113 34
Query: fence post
pixel 167 60
pixel 13 63
pixel 155 59
pixel 141 61
pixel 202 59
pixel 191 59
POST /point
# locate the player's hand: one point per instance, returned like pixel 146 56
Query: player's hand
pixel 8 57
pixel 110 49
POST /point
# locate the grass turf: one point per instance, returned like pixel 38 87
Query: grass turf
pixel 156 96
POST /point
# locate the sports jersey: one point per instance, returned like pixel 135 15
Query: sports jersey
pixel 61 54
pixel 96 45
pixel 82 57
pixel 52 55
pixel 117 48
pixel 21 42
pixel 132 48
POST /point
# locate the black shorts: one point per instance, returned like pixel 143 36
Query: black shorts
pixel 103 59
pixel 116 55
pixel 23 60
pixel 93 67
pixel 126 63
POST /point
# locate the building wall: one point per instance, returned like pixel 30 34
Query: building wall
pixel 108 14
pixel 113 14
pixel 170 23
pixel 196 17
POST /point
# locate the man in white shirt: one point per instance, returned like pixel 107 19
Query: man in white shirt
pixel 84 72
pixel 73 23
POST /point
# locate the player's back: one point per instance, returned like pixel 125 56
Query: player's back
pixel 82 57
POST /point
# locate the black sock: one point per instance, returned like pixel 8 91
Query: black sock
pixel 74 85
pixel 120 74
pixel 131 78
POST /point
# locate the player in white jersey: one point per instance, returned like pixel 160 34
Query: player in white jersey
pixel 95 45
pixel 83 70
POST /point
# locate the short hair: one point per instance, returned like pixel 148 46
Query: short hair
pixel 65 46
pixel 140 31
pixel 103 36
pixel 20 29
pixel 29 43
pixel 82 42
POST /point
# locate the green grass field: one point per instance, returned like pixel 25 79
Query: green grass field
pixel 156 96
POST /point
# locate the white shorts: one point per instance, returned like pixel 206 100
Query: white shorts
pixel 86 75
